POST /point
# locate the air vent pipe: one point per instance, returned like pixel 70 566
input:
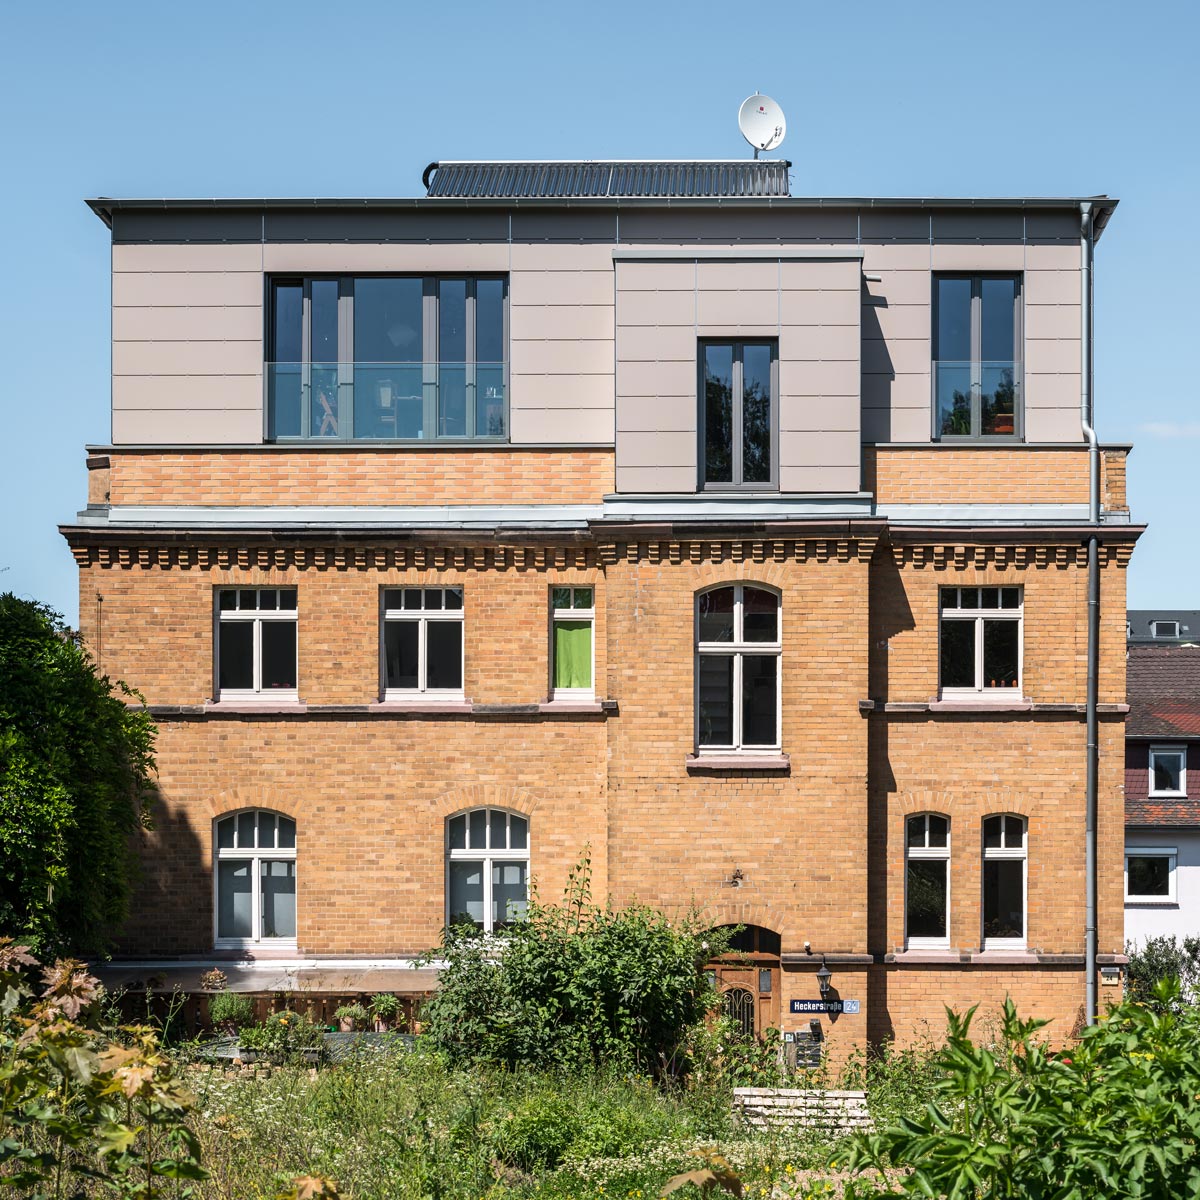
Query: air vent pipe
pixel 1087 419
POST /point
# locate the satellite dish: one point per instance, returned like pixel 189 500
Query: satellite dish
pixel 762 122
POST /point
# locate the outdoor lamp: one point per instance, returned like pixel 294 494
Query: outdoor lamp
pixel 824 975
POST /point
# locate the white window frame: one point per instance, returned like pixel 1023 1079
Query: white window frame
pixel 1164 749
pixel 422 618
pixel 573 614
pixel 1001 853
pixel 1158 629
pixel 255 856
pixel 927 853
pixel 257 617
pixel 1171 899
pixel 738 649
pixel 981 691
pixel 488 856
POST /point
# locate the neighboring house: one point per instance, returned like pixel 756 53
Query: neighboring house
pixel 644 510
pixel 1162 792
pixel 1158 626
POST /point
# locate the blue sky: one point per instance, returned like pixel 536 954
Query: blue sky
pixel 261 98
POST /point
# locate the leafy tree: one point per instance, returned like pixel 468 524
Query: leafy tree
pixel 573 985
pixel 1115 1115
pixel 1164 958
pixel 75 784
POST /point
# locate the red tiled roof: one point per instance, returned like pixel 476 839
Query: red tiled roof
pixel 1162 812
pixel 1163 691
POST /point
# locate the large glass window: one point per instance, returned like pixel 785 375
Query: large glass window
pixel 738 414
pixel 391 357
pixel 423 642
pixel 255 879
pixel 256 643
pixel 927 881
pixel 738 650
pixel 1168 770
pixel 980 641
pixel 977 355
pixel 573 646
pixel 487 867
pixel 1003 881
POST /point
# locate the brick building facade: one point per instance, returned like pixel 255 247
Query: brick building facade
pixel 807 482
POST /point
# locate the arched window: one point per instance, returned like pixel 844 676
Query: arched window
pixel 487 867
pixel 1004 857
pixel 738 648
pixel 255 879
pixel 927 881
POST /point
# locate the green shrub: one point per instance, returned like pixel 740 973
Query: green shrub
pixel 385 1006
pixel 230 1009
pixel 573 985
pixel 1113 1116
pixel 1163 958
pixel 537 1134
pixel 282 1033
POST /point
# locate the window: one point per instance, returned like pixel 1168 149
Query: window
pixel 980 641
pixel 255 879
pixel 256 643
pixel 738 648
pixel 1004 882
pixel 1150 874
pixel 977 356
pixel 739 414
pixel 573 649
pixel 423 642
pixel 487 867
pixel 1164 629
pixel 927 882
pixel 1168 770
pixel 397 358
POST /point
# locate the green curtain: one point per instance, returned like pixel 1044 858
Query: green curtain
pixel 572 654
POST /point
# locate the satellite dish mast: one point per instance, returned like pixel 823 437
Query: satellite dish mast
pixel 762 122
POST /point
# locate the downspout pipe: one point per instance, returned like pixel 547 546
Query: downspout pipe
pixel 1088 422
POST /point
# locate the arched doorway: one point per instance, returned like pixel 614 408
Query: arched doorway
pixel 747 978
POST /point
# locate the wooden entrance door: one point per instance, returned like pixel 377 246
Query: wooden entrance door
pixel 749 994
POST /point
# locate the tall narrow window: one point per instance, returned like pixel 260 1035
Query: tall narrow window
pixel 738 414
pixel 423 642
pixel 980 641
pixel 256 643
pixel 977 353
pixel 927 881
pixel 574 641
pixel 255 879
pixel 487 867
pixel 1004 881
pixel 738 649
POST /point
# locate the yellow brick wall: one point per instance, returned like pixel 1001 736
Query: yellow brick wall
pixel 292 477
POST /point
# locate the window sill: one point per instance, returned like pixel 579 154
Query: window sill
pixel 982 702
pixel 420 704
pixel 738 762
pixel 964 958
pixel 266 947
pixel 242 704
pixel 1166 795
pixel 1149 902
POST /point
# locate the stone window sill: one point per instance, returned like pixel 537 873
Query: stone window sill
pixel 738 762
pixel 255 706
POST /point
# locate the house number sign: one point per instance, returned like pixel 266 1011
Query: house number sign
pixel 824 1006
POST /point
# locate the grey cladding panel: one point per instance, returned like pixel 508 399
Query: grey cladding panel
pixel 186 225
pixel 591 225
pixel 383 225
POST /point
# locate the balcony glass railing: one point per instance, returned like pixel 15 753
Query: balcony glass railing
pixel 386 401
pixel 977 399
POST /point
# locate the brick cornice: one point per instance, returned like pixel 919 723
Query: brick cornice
pixel 1019 549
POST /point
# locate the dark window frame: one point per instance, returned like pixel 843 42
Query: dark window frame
pixel 736 449
pixel 977 279
pixel 429 363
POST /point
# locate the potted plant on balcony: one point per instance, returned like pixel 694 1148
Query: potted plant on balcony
pixel 385 1008
pixel 351 1017
pixel 230 1012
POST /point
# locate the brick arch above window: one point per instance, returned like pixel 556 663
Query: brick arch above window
pixel 485 795
pixel 771 575
pixel 287 804
pixel 762 915
pixel 961 807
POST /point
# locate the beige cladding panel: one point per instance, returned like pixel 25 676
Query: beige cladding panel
pixel 183 393
pixel 823 448
pixel 224 324
pixel 1053 321
pixel 569 322
pixel 187 289
pixel 187 358
pixel 560 287
pixel 1052 287
pixel 559 358
pixel 567 425
pixel 158 258
pixel 563 391
pixel 188 426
